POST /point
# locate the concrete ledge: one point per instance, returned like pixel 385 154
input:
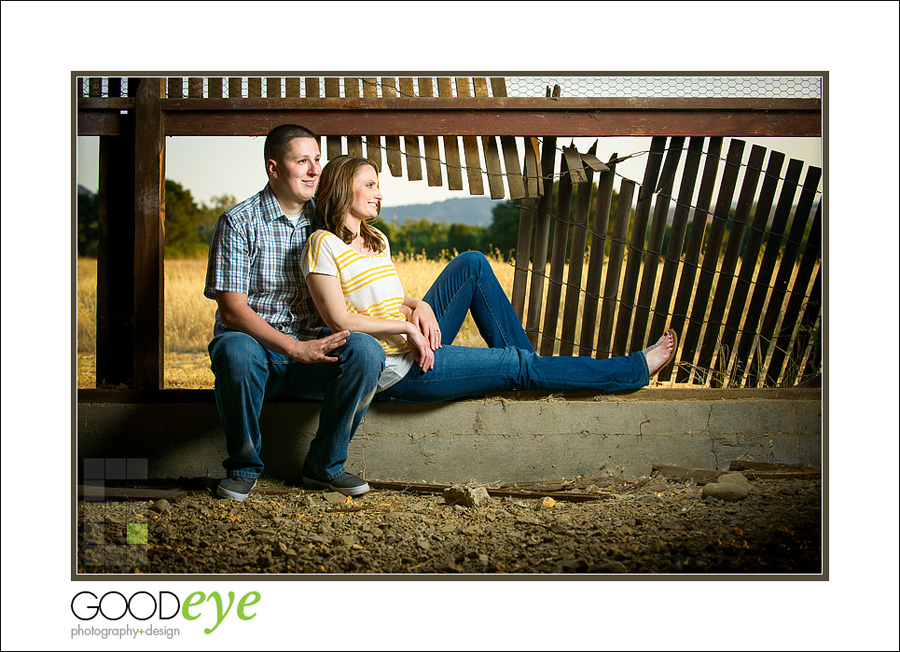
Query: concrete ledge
pixel 508 437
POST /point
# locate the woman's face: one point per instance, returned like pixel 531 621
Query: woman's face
pixel 366 194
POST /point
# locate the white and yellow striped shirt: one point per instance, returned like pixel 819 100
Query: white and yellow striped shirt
pixel 371 287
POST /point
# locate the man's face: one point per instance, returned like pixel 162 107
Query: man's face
pixel 295 178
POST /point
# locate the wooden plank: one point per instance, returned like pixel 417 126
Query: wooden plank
pixel 532 167
pixel 726 274
pixel 686 474
pixel 614 269
pixel 785 270
pixel 595 265
pixel 665 293
pixel 575 165
pixel 491 151
pixel 411 143
pixel 91 492
pixel 432 149
pixel 557 260
pixel 273 87
pixel 312 91
pixel 576 260
pixel 292 87
pixel 746 465
pixel 451 143
pixel 215 87
pixel 636 251
pixel 391 143
pixel 470 147
pixel 707 275
pixel 195 87
pixel 235 88
pixel 373 143
pixel 420 487
pixel 115 261
pixel 655 244
pixel 149 198
pixel 692 253
pixel 541 237
pixel 811 323
pixel 766 267
pixel 511 162
pixel 175 87
pixel 351 91
pixel 254 87
pixel 784 342
pixel 333 143
pixel 523 252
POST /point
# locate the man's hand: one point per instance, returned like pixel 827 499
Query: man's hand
pixel 424 320
pixel 318 350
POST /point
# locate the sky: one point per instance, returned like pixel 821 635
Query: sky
pixel 857 44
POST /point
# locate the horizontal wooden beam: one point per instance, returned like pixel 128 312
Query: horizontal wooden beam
pixel 478 116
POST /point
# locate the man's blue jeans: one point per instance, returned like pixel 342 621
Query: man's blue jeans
pixel 247 374
pixel 468 283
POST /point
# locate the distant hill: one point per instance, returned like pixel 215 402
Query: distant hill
pixel 474 211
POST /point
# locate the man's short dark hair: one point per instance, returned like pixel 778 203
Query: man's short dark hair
pixel 279 140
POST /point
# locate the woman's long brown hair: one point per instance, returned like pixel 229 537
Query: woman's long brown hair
pixel 334 198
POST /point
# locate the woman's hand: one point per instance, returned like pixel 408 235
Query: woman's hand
pixel 424 320
pixel 421 349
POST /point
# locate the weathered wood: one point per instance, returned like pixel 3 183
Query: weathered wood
pixel 273 87
pixel 510 151
pixel 470 146
pixel 214 87
pixel 451 143
pixel 686 474
pixel 575 165
pixel 373 143
pixel 351 91
pixel 576 260
pixel 292 87
pixel 729 263
pixel 655 244
pixel 115 261
pixel 332 143
pixel 766 267
pixel 432 150
pixel 149 198
pixel 492 167
pixel 532 167
pixel 312 92
pixel 636 251
pixel 235 88
pixel 541 237
pixel 391 143
pixel 811 323
pixel 614 269
pixel 114 87
pixel 254 88
pixel 174 87
pixel 513 493
pixel 195 87
pixel 557 260
pixel 665 294
pixel 91 492
pixel 595 264
pixel 523 251
pixel 692 253
pixel 411 143
pixel 711 256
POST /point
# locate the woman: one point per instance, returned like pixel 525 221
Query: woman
pixel 355 286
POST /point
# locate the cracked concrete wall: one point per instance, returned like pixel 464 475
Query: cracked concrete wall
pixel 485 440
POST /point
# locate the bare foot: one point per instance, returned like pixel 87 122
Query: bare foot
pixel 661 353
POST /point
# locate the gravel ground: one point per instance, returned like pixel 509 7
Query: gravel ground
pixel 646 526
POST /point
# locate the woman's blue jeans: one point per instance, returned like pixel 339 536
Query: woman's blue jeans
pixel 468 284
pixel 247 374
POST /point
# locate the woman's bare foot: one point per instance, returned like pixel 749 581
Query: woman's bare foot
pixel 660 354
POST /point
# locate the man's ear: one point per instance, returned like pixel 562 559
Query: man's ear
pixel 272 168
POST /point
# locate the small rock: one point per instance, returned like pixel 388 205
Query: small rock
pixel 727 491
pixel 161 506
pixel 336 497
pixel 612 567
pixel 547 503
pixel 468 496
pixel 735 478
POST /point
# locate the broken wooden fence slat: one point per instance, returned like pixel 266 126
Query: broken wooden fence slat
pixel 392 143
pixel 692 253
pixel 523 250
pixel 432 149
pixel 534 184
pixel 470 147
pixel 711 256
pixel 576 259
pixel 492 167
pixel 636 250
pixel 373 143
pixel 809 323
pixel 595 264
pixel 729 263
pixel 575 165
pixel 411 143
pixel 666 290
pixel 451 143
pixel 614 269
pixel 557 260
pixel 541 238
pixel 655 243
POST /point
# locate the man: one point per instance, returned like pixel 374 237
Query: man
pixel 269 339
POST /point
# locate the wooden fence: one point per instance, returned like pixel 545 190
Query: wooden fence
pixel 735 282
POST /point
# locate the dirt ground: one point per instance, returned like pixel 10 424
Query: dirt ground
pixel 594 526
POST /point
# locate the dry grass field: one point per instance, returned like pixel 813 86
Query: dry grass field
pixel 190 317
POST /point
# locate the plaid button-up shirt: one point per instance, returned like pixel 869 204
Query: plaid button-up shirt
pixel 255 250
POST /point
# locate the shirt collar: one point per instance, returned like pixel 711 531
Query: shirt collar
pixel 271 209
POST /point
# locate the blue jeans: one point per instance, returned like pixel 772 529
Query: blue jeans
pixel 468 283
pixel 247 374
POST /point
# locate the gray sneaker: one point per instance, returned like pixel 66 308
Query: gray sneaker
pixel 235 487
pixel 348 484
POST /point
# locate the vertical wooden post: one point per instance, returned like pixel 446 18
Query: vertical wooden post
pixel 333 143
pixel 541 241
pixel 523 252
pixel 451 143
pixel 557 259
pixel 354 143
pixel 614 269
pixel 432 151
pixel 373 143
pixel 149 210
